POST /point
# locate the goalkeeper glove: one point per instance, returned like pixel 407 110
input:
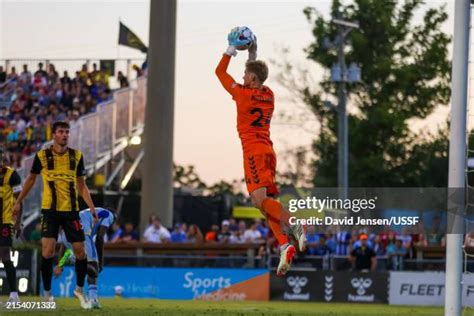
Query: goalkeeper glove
pixel 234 41
pixel 253 50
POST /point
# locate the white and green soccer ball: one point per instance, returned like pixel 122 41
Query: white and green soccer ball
pixel 245 34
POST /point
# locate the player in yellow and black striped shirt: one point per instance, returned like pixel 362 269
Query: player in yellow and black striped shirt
pixel 10 187
pixel 63 173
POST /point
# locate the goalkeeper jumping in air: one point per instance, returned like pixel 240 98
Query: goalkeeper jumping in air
pixel 255 105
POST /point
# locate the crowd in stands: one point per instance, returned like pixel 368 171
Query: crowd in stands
pixel 360 246
pixel 31 101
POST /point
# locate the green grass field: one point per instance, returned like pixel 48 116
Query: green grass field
pixel 161 307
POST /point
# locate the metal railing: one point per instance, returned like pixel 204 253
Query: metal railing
pixel 100 136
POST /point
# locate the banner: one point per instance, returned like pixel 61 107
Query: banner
pixel 174 283
pixel 295 286
pixel 326 286
pixel 425 288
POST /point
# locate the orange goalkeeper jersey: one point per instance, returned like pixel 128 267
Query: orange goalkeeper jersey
pixel 254 109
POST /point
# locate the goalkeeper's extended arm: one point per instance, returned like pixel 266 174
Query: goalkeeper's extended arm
pixel 65 257
pixel 221 72
pixel 253 50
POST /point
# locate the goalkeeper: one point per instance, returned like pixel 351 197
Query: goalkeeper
pixel 255 105
pixel 94 246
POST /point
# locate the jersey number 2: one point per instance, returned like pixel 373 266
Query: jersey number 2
pixel 259 112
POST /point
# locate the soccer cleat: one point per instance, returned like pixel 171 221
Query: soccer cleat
pixel 82 299
pixel 48 298
pixel 95 304
pixel 300 235
pixel 14 299
pixel 286 257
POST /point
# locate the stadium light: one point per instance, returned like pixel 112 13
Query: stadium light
pixel 135 140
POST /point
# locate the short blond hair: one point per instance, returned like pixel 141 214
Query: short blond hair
pixel 259 68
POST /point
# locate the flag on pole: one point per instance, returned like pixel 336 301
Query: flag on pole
pixel 130 39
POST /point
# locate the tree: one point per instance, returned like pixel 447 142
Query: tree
pixel 186 177
pixel 405 75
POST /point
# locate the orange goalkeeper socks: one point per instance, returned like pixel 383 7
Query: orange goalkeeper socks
pixel 276 217
pixel 274 209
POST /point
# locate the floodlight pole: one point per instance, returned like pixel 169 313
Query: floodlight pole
pixel 457 157
pixel 344 27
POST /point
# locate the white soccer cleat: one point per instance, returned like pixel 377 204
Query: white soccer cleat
pixel 95 304
pixel 82 299
pixel 300 235
pixel 286 257
pixel 48 298
pixel 14 299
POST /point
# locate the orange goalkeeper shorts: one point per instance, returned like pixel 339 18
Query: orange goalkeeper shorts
pixel 260 170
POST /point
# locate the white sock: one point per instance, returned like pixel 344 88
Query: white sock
pixel 47 293
pixel 79 289
pixel 13 294
pixel 284 246
pixel 93 292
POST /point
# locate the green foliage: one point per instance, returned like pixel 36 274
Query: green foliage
pixel 405 75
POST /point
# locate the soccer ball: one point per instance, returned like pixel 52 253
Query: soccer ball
pixel 245 34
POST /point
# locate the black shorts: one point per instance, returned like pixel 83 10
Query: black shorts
pixel 69 221
pixel 6 235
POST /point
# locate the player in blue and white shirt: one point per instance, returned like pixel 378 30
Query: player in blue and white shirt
pixel 93 244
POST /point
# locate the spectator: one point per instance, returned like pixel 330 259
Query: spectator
pixel 53 75
pixel 252 234
pixel 435 235
pixel 241 231
pixel 26 75
pixel 211 236
pixel 129 235
pixel 156 233
pixel 321 249
pixel 41 71
pixel 262 228
pixel 234 237
pixel 84 73
pixel 421 241
pixel 194 234
pixel 3 75
pixel 95 74
pixel 116 231
pixel 224 235
pixel 233 225
pixel 138 71
pixel 363 257
pixel 65 80
pixel 396 253
pixel 379 247
pixel 123 81
pixel 343 239
pixel 406 238
pixel 12 75
pixel 330 241
pixel 178 235
pixel 35 235
pixel 312 239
